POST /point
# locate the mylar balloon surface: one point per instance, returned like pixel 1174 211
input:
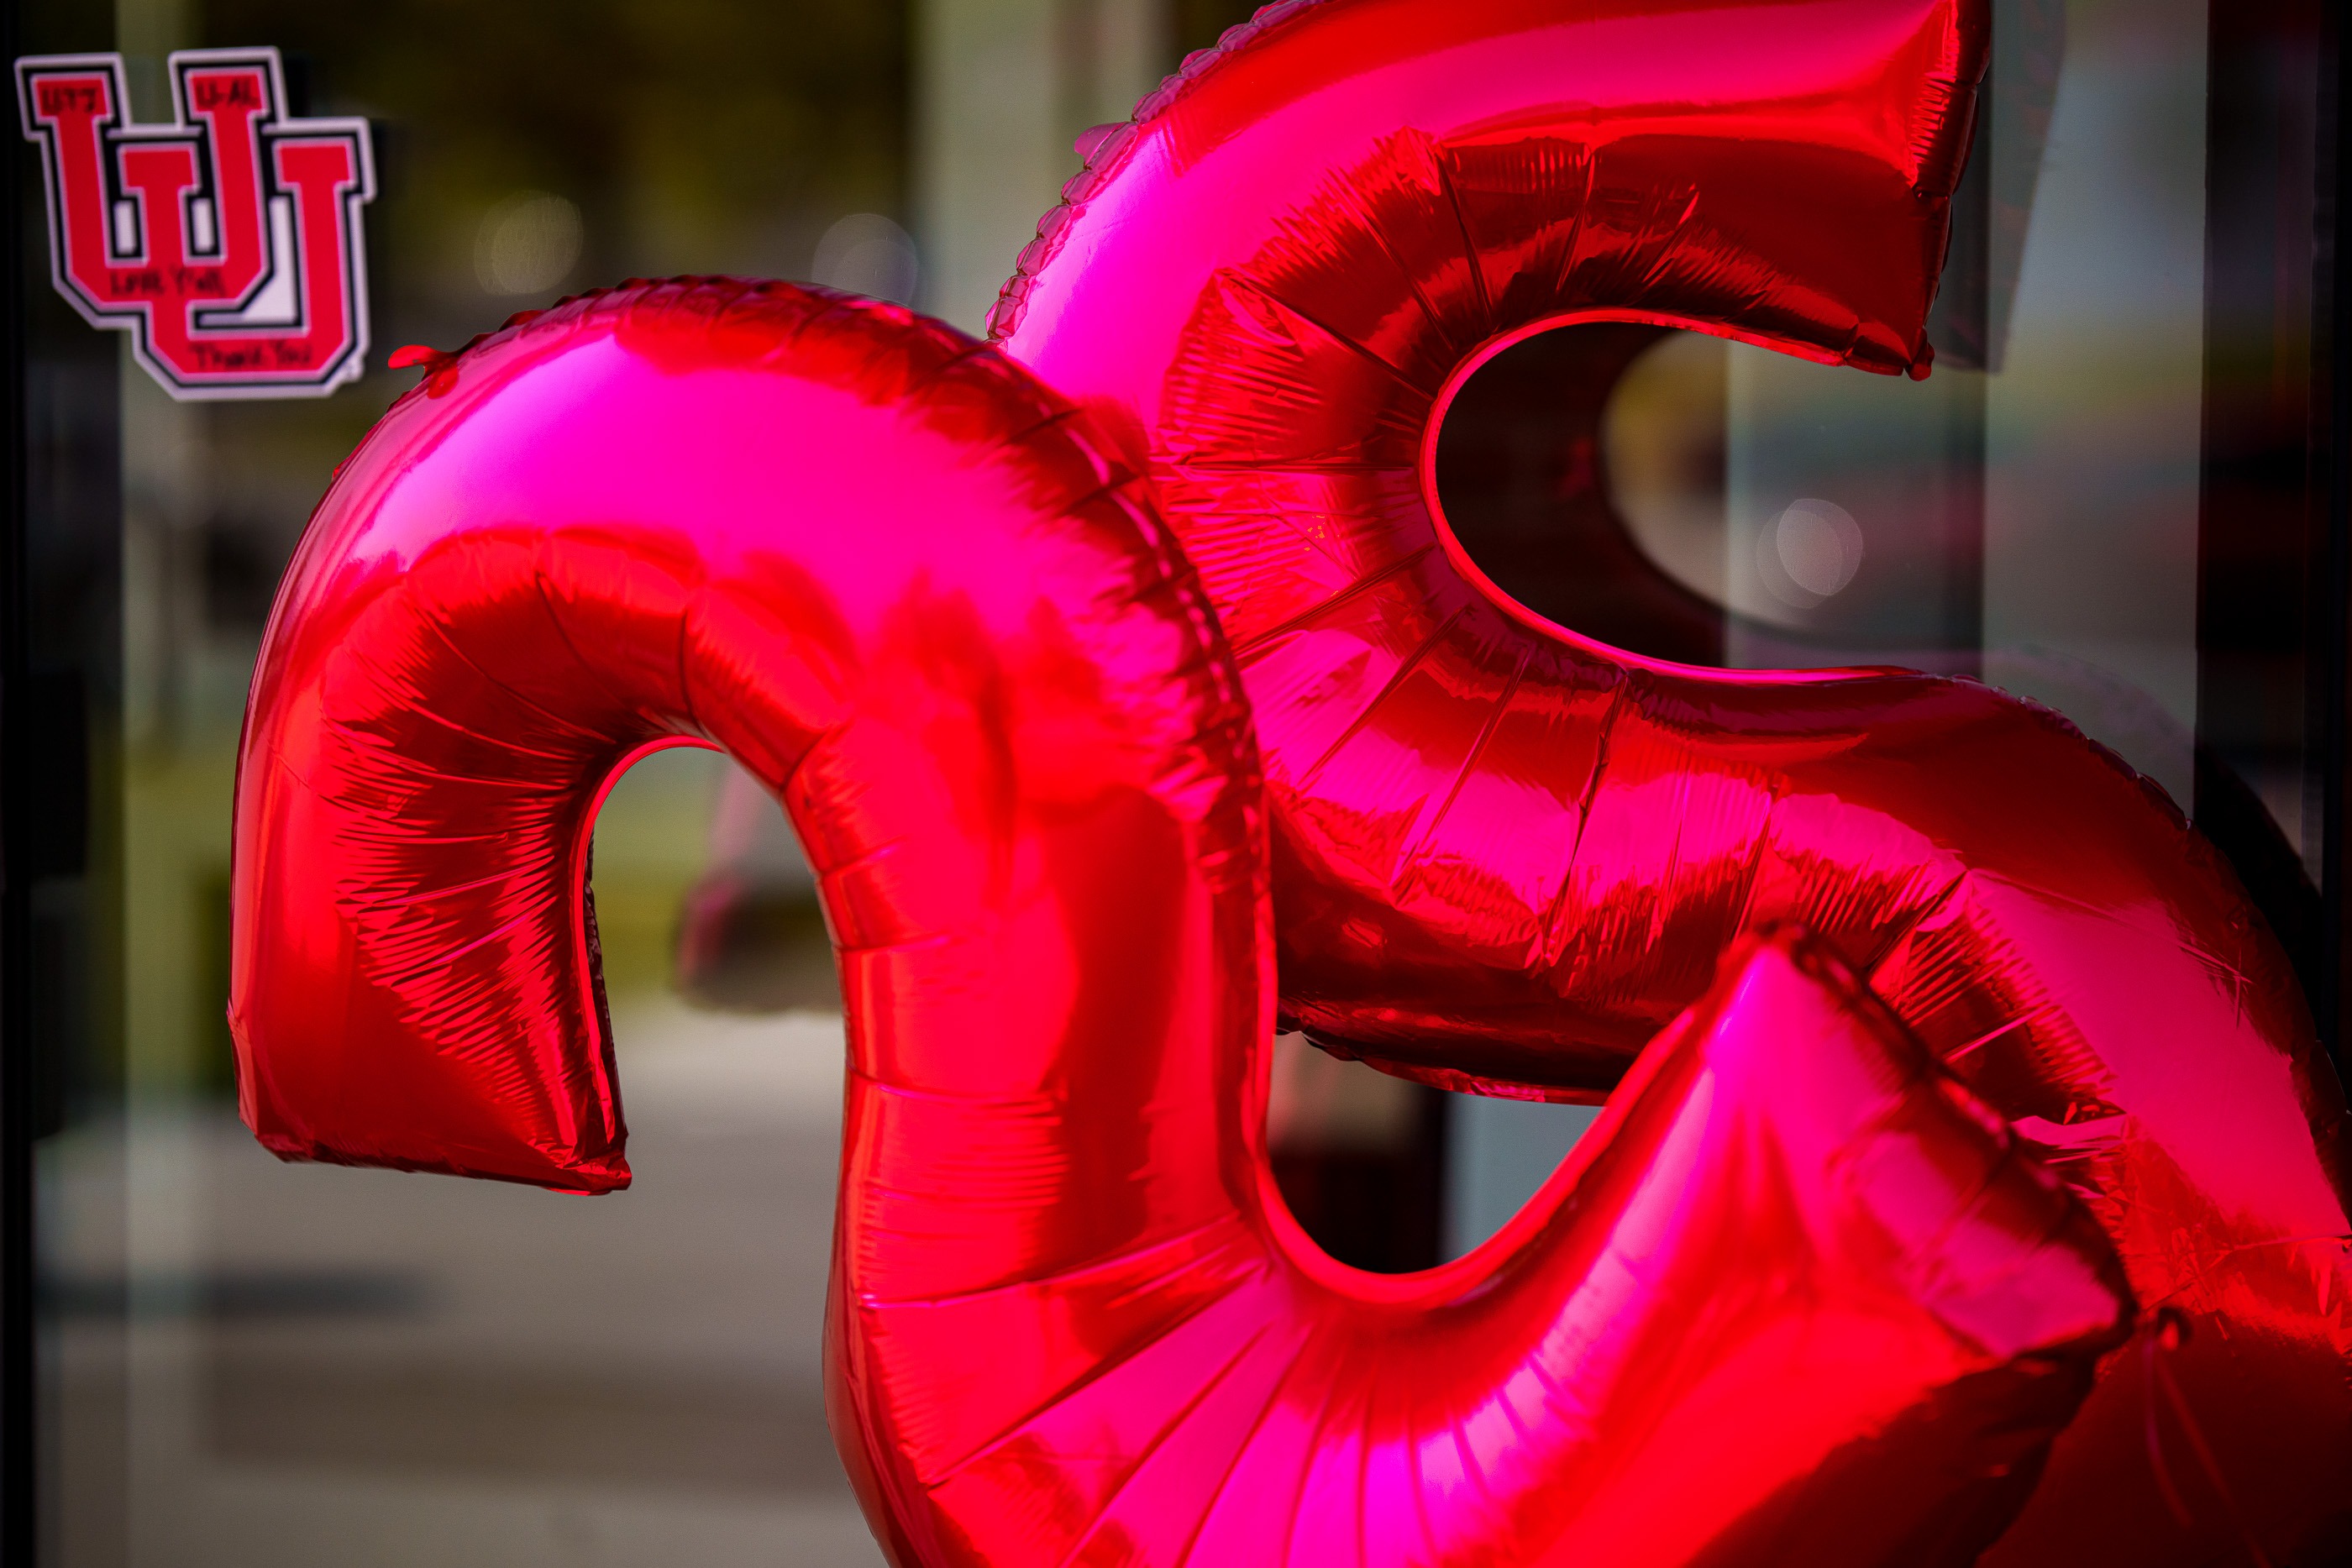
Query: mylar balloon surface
pixel 1799 1297
pixel 1506 855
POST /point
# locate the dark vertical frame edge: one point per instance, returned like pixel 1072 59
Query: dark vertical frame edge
pixel 19 1533
pixel 2332 358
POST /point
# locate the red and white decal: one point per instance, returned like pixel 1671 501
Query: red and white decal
pixel 228 243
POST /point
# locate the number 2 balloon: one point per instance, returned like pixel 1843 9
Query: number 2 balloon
pixel 1802 1294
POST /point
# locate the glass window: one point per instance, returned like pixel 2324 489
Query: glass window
pixel 2112 496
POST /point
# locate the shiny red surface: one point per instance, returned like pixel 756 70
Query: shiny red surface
pixel 1798 1296
pixel 1506 855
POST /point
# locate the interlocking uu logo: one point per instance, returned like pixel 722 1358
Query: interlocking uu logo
pixel 227 243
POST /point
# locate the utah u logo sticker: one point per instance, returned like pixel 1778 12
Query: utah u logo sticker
pixel 228 243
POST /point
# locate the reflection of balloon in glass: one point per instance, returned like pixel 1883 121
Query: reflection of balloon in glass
pixel 1800 1297
pixel 1507 855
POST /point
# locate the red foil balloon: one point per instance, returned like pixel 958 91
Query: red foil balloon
pixel 1506 855
pixel 1796 1298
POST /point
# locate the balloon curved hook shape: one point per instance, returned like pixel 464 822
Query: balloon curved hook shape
pixel 1800 1293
